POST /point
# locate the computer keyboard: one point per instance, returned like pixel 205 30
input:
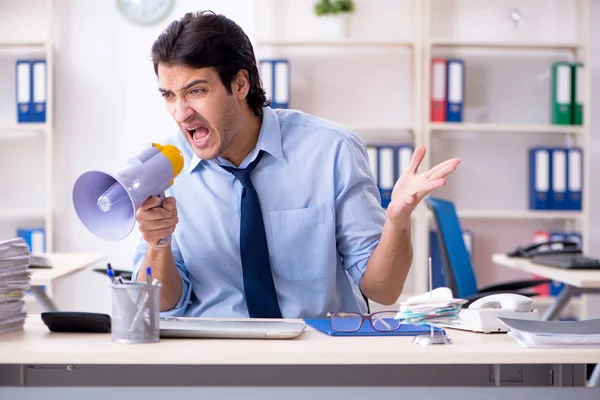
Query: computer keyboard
pixel 568 261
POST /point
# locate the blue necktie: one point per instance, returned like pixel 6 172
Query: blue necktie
pixel 259 288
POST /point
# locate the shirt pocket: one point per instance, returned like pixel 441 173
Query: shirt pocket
pixel 304 242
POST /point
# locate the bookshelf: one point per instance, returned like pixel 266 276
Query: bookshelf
pixel 16 139
pixel 426 40
pixel 575 47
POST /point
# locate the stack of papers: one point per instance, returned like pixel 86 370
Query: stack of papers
pixel 437 306
pixel 554 333
pixel 14 283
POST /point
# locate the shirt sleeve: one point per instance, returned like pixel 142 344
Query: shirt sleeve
pixel 186 293
pixel 359 215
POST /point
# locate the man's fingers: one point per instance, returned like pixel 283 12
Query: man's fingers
pixel 151 202
pixel 452 161
pixel 416 159
pixel 442 172
pixel 149 226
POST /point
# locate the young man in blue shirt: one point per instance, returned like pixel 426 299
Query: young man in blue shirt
pixel 276 212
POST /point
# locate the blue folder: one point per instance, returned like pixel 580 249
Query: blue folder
pixel 367 330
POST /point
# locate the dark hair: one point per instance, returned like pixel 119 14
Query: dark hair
pixel 204 39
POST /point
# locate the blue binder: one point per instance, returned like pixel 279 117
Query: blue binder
pixel 387 172
pixel 558 187
pixel 23 90
pixel 574 179
pixel 437 264
pixel 366 329
pixel 404 154
pixel 38 90
pixel 540 173
pixel 455 90
pixel 275 76
pixel 35 239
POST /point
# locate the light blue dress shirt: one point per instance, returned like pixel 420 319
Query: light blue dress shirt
pixel 322 213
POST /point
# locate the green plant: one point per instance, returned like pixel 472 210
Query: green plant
pixel 328 7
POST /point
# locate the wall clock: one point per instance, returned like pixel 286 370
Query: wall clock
pixel 145 12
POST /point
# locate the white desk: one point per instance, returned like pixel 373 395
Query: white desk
pixel 37 357
pixel 63 266
pixel 576 282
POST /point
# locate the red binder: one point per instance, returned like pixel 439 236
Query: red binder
pixel 438 90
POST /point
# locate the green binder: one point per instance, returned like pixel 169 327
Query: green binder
pixel 562 93
pixel 577 98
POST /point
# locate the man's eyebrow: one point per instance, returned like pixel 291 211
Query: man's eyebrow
pixel 186 87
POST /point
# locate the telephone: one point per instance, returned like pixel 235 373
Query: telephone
pixel 552 247
pixel 482 315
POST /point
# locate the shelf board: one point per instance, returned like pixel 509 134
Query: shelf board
pixel 519 214
pixel 377 128
pixel 7 214
pixel 518 45
pixel 332 43
pixel 23 45
pixel 492 127
pixel 21 131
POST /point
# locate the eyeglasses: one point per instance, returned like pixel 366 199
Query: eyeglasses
pixel 382 321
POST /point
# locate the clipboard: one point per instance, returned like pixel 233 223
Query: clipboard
pixel 366 329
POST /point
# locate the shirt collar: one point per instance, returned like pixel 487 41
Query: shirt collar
pixel 269 139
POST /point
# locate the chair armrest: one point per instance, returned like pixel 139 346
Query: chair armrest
pixel 514 286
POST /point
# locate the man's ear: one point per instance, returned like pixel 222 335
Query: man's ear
pixel 241 84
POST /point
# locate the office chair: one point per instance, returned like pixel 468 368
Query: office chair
pixel 458 269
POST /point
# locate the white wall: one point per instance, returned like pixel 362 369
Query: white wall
pixel 107 106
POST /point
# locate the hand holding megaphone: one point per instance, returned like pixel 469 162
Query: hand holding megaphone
pixel 157 219
pixel 107 203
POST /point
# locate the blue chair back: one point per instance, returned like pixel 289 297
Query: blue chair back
pixel 459 274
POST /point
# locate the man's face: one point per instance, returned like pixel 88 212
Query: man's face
pixel 199 103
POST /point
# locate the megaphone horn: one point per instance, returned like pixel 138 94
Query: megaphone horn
pixel 106 203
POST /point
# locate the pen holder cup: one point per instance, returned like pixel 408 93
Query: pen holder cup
pixel 135 312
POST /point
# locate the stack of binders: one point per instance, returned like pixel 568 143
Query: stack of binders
pixel 31 91
pixel 275 77
pixel 14 283
pixel 388 163
pixel 555 178
pixel 567 93
pixel 447 90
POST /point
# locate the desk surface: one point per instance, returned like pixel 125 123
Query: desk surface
pixel 577 278
pixel 36 345
pixel 63 264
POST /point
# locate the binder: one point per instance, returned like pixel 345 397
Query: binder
pixel 541 236
pixel 39 90
pixel 540 169
pixel 437 263
pixel 561 93
pixel 265 68
pixel 438 90
pixel 275 76
pixel 558 172
pixel 574 178
pixel 35 239
pixel 23 90
pixel 468 239
pixel 373 161
pixel 387 173
pixel 455 90
pixel 404 154
pixel 578 93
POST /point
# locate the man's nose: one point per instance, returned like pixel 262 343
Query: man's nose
pixel 182 111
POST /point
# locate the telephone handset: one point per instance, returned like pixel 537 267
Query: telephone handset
pixel 482 315
pixel 551 247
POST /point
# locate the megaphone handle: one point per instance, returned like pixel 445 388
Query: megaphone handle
pixel 166 240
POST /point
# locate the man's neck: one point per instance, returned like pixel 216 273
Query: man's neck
pixel 246 139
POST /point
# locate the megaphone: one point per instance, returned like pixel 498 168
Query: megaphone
pixel 106 203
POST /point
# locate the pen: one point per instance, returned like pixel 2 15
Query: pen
pixel 110 272
pixel 148 275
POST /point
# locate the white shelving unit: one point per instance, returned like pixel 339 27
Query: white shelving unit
pixel 422 44
pixel 576 50
pixel 28 131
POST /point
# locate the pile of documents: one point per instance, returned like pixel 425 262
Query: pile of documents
pixel 14 283
pixel 437 306
pixel 554 333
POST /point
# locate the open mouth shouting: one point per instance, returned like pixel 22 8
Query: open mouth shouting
pixel 198 134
